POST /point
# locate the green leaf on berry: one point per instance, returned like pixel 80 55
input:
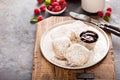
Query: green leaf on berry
pixel 34 20
pixel 47 2
pixel 106 18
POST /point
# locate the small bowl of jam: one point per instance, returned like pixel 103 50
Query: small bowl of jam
pixel 89 36
pixel 88 39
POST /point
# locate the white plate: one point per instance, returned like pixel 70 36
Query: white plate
pixel 100 50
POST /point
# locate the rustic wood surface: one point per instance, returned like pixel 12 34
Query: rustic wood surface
pixel 44 70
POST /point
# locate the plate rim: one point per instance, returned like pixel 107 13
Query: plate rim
pixel 67 22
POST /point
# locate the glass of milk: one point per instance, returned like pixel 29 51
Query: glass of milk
pixel 93 6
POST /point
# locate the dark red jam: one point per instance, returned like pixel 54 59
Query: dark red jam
pixel 89 36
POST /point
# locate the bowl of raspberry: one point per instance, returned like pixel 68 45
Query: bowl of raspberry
pixel 56 7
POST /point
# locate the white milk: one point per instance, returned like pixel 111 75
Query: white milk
pixel 93 6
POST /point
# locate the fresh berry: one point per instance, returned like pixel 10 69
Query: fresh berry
pixel 50 7
pixel 53 1
pixel 55 4
pixel 100 14
pixel 57 8
pixel 108 13
pixel 39 18
pixel 63 5
pixel 109 9
pixel 42 8
pixel 61 2
pixel 53 10
pixel 39 1
pixel 36 11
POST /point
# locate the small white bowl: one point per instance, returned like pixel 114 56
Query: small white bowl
pixel 56 13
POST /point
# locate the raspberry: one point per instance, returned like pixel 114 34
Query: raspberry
pixel 39 1
pixel 109 9
pixel 108 13
pixel 36 11
pixel 50 7
pixel 61 2
pixel 53 10
pixel 64 4
pixel 42 8
pixel 57 8
pixel 53 1
pixel 55 4
pixel 39 18
pixel 100 14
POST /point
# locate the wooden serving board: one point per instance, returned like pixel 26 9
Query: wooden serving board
pixel 44 70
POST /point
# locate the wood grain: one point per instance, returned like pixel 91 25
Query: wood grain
pixel 43 70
